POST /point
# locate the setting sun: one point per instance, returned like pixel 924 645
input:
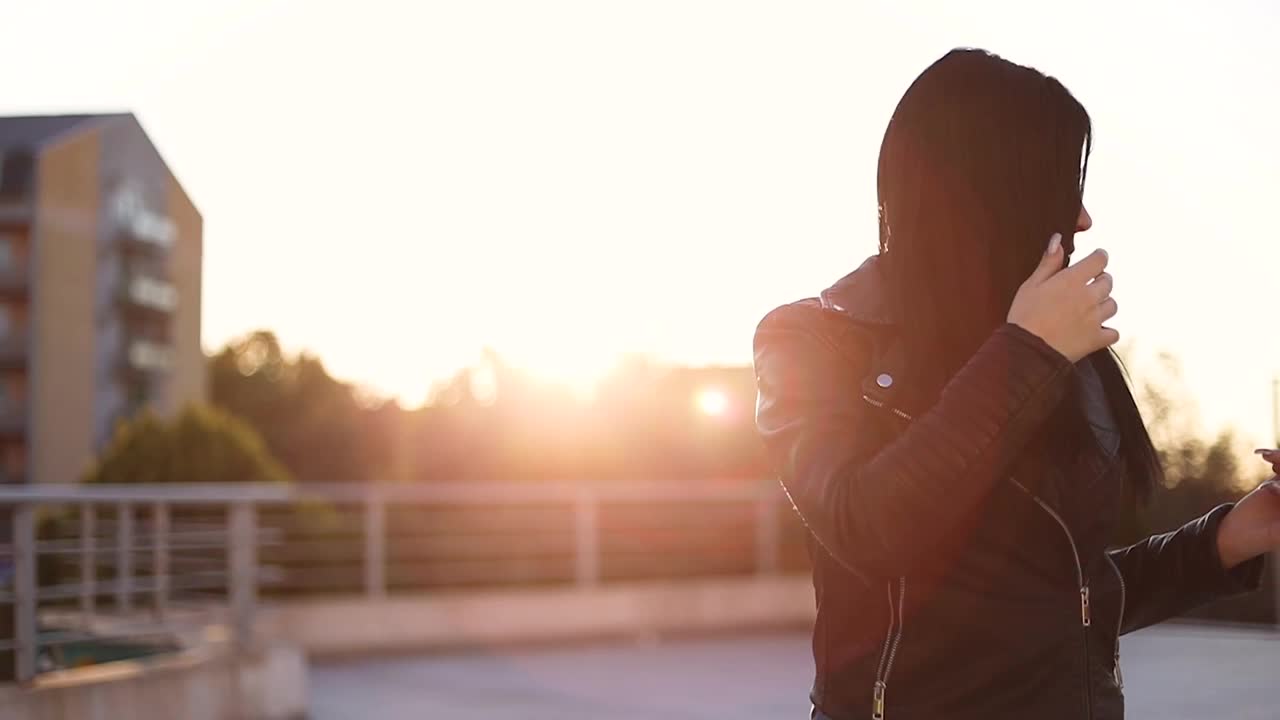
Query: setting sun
pixel 712 402
pixel 578 369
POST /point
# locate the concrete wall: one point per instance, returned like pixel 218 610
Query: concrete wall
pixel 462 619
pixel 63 267
pixel 203 684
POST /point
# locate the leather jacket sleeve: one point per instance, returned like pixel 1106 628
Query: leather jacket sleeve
pixel 1166 575
pixel 882 507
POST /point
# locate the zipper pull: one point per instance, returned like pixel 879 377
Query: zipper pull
pixel 1084 606
pixel 1119 675
pixel 877 703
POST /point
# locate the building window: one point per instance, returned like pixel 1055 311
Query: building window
pixel 13 462
pixel 6 321
pixel 7 251
pixel 16 169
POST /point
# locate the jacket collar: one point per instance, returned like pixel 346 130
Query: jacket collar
pixel 862 295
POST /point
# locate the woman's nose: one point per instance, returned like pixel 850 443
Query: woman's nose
pixel 1084 221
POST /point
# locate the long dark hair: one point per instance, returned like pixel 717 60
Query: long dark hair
pixel 982 161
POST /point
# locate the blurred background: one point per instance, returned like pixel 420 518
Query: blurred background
pixel 393 359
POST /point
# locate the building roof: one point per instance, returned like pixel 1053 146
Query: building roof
pixel 32 131
pixel 22 137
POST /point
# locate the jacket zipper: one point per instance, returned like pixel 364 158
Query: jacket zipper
pixel 876 403
pixel 1085 617
pixel 891 640
pixel 890 650
pixel 1119 620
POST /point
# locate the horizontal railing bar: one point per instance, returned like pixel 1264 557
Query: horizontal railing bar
pixel 141 585
pixel 452 492
pixel 106 524
pixel 140 547
pixel 176 493
pixel 145 533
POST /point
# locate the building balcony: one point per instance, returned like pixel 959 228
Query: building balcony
pixel 150 293
pixel 137 226
pixel 148 356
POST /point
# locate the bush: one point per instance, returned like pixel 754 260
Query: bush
pixel 202 445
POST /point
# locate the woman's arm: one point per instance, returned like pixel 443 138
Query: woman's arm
pixel 1169 574
pixel 882 508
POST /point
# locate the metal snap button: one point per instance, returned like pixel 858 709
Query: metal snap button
pixel 884 380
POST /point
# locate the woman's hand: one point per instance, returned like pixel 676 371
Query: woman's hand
pixel 1271 456
pixel 1253 525
pixel 1066 307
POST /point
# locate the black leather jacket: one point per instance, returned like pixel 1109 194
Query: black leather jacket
pixel 947 585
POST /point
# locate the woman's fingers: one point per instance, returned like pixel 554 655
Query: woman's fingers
pixel 1102 286
pixel 1271 456
pixel 1087 269
pixel 1107 310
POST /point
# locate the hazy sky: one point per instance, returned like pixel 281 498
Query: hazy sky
pixel 394 184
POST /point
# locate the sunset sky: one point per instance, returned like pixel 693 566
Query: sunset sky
pixel 393 185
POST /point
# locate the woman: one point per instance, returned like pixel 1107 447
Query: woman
pixel 955 433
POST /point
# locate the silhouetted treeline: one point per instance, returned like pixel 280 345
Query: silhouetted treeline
pixel 494 422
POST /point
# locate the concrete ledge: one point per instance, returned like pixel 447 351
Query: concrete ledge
pixel 204 683
pixel 497 617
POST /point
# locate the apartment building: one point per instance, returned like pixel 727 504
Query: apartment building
pixel 100 273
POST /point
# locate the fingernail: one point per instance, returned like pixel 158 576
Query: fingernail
pixel 1055 243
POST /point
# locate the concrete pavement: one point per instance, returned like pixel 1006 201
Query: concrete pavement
pixel 1174 672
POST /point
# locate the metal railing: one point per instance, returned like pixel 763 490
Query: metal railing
pixel 126 561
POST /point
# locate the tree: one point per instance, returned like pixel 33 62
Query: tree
pixel 202 445
pixel 319 427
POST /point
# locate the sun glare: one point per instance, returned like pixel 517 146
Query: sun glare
pixel 713 402
pixel 580 372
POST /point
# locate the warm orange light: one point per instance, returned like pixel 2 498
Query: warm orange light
pixel 712 402
pixel 580 368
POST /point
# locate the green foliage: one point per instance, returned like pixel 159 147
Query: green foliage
pixel 317 426
pixel 202 445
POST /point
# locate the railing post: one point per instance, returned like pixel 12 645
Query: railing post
pixel 24 590
pixel 375 545
pixel 242 564
pixel 587 537
pixel 88 560
pixel 768 532
pixel 160 558
pixel 124 557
